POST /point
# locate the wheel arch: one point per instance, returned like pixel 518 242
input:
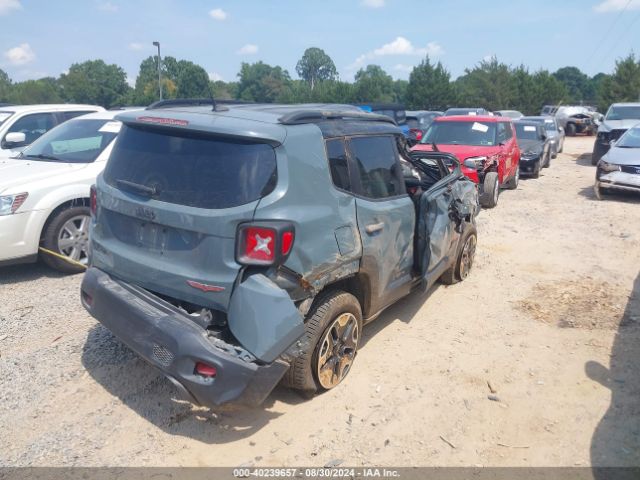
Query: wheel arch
pixel 74 202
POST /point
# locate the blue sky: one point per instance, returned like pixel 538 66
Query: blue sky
pixel 44 37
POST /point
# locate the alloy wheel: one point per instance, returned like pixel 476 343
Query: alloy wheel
pixel 337 350
pixel 73 239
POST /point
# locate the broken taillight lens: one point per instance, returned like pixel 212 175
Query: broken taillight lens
pixel 264 243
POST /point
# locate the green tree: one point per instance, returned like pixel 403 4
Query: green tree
pixel 316 66
pixel 44 90
pixel 548 89
pixel 260 82
pixel 430 87
pixel 192 81
pixel 5 86
pixel 623 85
pixel 373 84
pixel 94 82
pixel 487 85
pixel 578 84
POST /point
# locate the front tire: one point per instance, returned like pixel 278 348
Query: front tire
pixel 515 181
pixel 464 260
pixel 491 190
pixel 67 234
pixel 570 131
pixel 332 333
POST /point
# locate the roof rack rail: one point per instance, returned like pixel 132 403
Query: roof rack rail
pixel 193 102
pixel 311 116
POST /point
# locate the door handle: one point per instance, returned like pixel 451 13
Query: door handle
pixel 374 227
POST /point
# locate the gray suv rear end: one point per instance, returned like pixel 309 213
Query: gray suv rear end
pixel 221 241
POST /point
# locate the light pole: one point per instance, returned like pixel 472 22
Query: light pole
pixel 157 44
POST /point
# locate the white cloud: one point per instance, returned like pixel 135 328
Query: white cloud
pixel 401 67
pixel 136 46
pixel 131 80
pixel 108 7
pixel 616 5
pixel 399 46
pixel 7 6
pixel 215 77
pixel 218 14
pixel 372 3
pixel 248 49
pixel 20 55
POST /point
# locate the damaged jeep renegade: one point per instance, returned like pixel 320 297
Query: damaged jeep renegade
pixel 242 246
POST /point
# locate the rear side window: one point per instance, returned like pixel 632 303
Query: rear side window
pixel 338 164
pixel 376 161
pixel 190 169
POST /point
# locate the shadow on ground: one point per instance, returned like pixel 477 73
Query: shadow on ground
pixel 26 273
pixel 616 440
pixel 144 390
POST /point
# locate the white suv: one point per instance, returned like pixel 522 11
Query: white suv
pixel 45 193
pixel 22 124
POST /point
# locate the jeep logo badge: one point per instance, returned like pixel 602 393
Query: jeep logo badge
pixel 145 213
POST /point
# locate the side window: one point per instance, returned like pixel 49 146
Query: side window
pixel 502 133
pixel 338 163
pixel 378 169
pixel 69 115
pixel 508 131
pixel 33 126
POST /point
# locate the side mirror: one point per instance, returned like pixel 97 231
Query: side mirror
pixel 14 139
pixel 469 164
pixel 613 142
pixel 543 137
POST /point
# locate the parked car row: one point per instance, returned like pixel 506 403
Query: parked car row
pixel 616 150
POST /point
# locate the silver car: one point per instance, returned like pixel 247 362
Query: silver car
pixel 554 131
pixel 619 168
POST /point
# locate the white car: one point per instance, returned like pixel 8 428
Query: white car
pixel 45 193
pixel 20 125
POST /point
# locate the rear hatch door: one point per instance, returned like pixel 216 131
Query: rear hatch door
pixel 170 201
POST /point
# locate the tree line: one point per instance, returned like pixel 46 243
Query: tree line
pixel 490 84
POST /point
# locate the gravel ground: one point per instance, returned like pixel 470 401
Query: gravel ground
pixel 534 360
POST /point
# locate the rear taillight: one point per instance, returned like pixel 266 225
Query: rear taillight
pixel 264 243
pixel 417 132
pixel 93 200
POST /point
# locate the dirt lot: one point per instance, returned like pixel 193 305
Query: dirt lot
pixel 550 318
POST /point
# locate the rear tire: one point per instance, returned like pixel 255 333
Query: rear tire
pixel 464 259
pixel 490 191
pixel 323 345
pixel 67 234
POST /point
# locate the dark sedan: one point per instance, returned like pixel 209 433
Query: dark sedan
pixel 535 147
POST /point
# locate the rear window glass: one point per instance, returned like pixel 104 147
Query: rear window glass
pixel 190 169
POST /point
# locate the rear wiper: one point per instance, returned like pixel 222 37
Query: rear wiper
pixel 138 188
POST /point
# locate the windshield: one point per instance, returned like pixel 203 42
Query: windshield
pixel 526 132
pixel 461 133
pixel 631 138
pixel 4 116
pixel 550 125
pixel 624 113
pixel 75 141
pixel 192 169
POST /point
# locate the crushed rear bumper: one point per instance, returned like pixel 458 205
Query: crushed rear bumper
pixel 173 343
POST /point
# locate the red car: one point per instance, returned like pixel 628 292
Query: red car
pixel 486 147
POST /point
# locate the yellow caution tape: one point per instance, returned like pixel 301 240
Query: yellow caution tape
pixel 62 257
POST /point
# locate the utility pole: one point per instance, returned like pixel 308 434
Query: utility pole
pixel 157 44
